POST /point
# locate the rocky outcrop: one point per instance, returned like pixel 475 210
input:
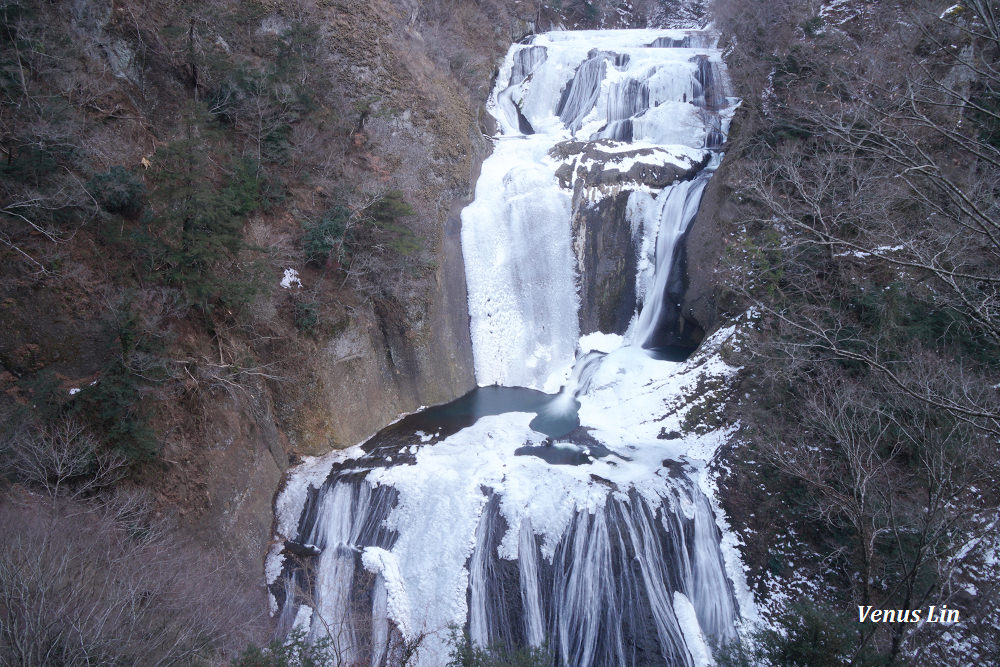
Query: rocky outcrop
pixel 603 165
pixel 606 257
pixel 602 174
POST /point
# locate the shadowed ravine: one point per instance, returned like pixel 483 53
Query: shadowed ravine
pixel 543 508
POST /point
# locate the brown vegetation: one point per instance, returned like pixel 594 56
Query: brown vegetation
pixel 868 168
pixel 92 574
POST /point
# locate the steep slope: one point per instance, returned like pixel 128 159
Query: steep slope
pixel 855 218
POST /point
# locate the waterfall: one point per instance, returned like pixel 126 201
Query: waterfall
pixel 664 217
pixel 522 291
pixel 548 507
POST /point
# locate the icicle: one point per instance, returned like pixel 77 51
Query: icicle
pixel 580 95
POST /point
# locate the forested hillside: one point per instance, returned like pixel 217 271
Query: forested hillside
pixel 863 177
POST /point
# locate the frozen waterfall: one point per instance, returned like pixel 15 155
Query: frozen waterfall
pixel 635 89
pixel 557 505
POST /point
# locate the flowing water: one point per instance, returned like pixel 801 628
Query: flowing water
pixel 547 507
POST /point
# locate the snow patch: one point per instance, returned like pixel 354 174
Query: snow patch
pixel 600 342
pixel 693 637
pixel 291 278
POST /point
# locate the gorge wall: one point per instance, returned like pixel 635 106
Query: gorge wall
pixel 332 103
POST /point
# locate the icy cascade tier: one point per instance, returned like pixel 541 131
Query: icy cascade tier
pixel 599 586
pixel 343 514
pixel 519 267
pixel 658 96
pixel 613 561
pixel 607 594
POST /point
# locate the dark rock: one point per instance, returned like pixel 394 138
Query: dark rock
pixel 594 154
pixel 597 479
pixel 607 257
pixel 675 469
pixel 301 550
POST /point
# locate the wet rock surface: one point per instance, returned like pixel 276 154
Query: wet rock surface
pixel 606 258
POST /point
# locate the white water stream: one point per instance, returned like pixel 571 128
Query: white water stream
pixel 599 541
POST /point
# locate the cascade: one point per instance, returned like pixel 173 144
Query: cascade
pixel 673 209
pixel 545 508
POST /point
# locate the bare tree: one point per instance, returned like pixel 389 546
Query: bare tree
pixel 892 476
pixel 61 458
pixel 79 586
pixel 869 171
pixel 892 179
pixel 37 142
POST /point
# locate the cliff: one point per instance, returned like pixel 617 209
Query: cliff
pixel 230 230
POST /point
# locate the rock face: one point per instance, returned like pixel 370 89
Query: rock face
pixel 378 368
pixel 247 447
pixel 601 164
pixel 606 254
pixel 602 175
